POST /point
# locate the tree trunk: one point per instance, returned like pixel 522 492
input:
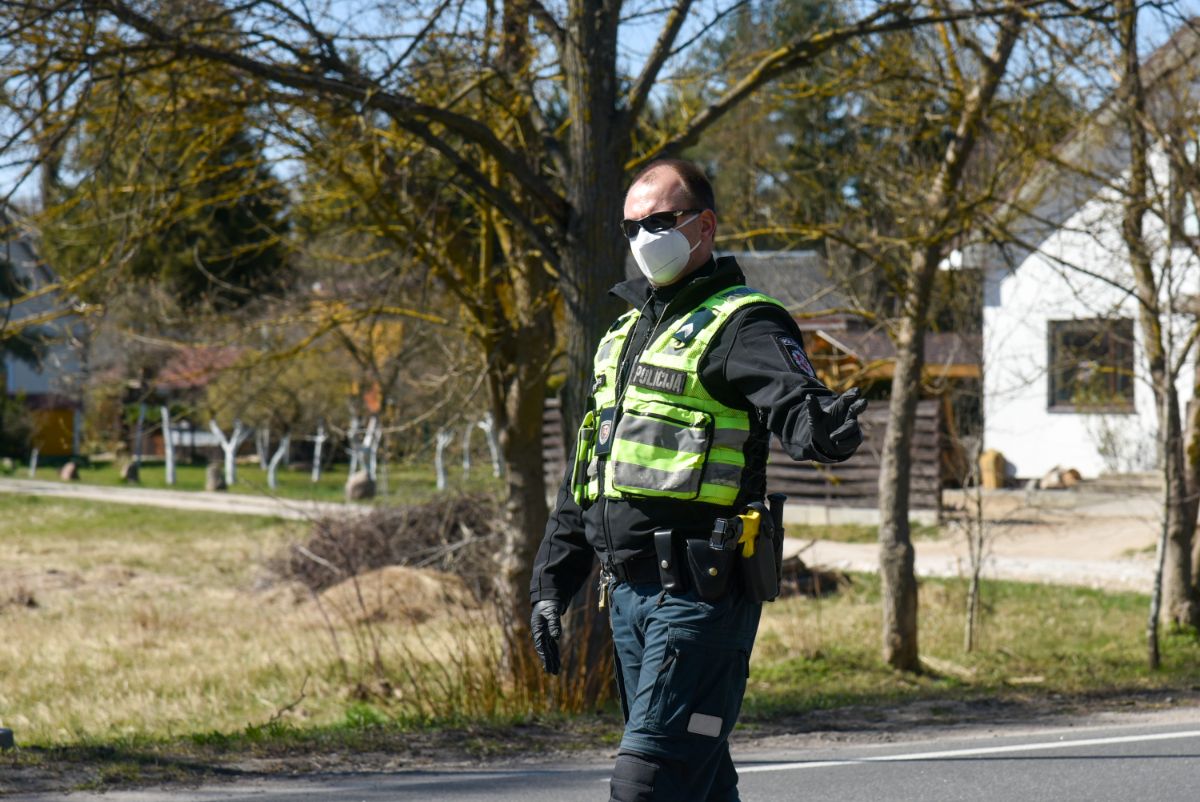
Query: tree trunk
pixel 517 389
pixel 1191 455
pixel 525 501
pixel 896 554
pixel 942 198
pixel 593 253
pixel 1178 606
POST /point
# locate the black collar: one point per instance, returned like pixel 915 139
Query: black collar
pixel 697 287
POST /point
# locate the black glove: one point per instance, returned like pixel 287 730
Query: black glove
pixel 835 428
pixel 546 626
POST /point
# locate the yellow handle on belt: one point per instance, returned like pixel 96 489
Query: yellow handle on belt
pixel 750 522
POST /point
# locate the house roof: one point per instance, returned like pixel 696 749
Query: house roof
pixel 193 368
pixel 1083 162
pixel 799 279
pixel 17 250
pixel 941 347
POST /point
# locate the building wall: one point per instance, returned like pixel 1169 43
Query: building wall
pixel 1046 285
pixel 52 389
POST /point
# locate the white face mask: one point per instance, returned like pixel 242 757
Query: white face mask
pixel 662 256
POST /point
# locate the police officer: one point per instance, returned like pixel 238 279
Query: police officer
pixel 689 385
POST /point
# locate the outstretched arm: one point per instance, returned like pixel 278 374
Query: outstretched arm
pixel 759 359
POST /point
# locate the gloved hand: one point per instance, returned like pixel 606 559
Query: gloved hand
pixel 546 627
pixel 835 428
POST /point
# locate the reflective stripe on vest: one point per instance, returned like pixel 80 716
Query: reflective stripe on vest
pixel 672 439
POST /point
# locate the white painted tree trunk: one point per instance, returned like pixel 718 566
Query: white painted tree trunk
pixel 466 449
pixel 33 464
pixel 276 458
pixel 488 425
pixel 371 447
pixel 444 438
pixel 230 446
pixel 364 452
pixel 168 445
pixel 262 446
pixel 318 443
pixel 352 447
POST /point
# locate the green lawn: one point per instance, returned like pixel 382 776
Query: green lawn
pixel 409 482
pixel 1034 640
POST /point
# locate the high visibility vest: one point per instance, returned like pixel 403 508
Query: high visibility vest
pixel 666 436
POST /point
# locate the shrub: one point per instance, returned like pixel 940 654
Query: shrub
pixel 457 534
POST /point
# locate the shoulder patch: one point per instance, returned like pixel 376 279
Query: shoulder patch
pixel 793 355
pixel 656 378
pixel 692 326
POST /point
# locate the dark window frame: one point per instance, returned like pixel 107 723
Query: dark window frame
pixel 1110 341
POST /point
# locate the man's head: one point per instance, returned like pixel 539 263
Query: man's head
pixel 666 196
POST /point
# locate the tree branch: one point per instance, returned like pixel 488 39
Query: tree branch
pixel 547 24
pixel 640 91
pixel 354 86
pixel 888 18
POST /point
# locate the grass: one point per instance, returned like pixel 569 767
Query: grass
pixel 1035 639
pixel 408 481
pixel 151 626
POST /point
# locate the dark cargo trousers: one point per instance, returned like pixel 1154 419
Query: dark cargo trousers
pixel 682 666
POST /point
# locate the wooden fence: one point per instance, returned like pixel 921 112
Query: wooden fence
pixel 854 483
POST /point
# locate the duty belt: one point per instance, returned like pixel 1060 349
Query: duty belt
pixel 637 571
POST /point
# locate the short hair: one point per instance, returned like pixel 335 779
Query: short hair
pixel 695 183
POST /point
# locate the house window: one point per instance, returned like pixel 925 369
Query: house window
pixel 1091 365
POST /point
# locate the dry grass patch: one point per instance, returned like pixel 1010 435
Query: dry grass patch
pixel 124 622
pixel 397 593
pixel 145 622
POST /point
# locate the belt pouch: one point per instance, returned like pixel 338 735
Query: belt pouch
pixel 710 567
pixel 669 572
pixel 760 571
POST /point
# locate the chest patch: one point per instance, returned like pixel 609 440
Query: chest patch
pixel 662 379
pixel 794 356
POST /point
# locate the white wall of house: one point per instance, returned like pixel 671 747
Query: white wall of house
pixel 1052 283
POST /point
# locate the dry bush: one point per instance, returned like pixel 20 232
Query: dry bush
pixel 455 534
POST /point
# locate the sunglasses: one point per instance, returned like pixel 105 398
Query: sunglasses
pixel 654 223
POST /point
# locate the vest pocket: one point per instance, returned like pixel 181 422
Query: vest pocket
pixel 584 445
pixel 660 450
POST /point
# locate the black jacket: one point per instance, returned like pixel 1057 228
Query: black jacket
pixel 756 363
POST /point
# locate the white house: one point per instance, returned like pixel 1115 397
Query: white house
pixel 1064 365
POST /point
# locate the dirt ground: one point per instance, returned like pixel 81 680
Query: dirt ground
pixel 1073 537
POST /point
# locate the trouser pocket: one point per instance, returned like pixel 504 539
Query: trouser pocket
pixel 700 684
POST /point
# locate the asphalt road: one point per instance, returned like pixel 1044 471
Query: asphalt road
pixel 1147 762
